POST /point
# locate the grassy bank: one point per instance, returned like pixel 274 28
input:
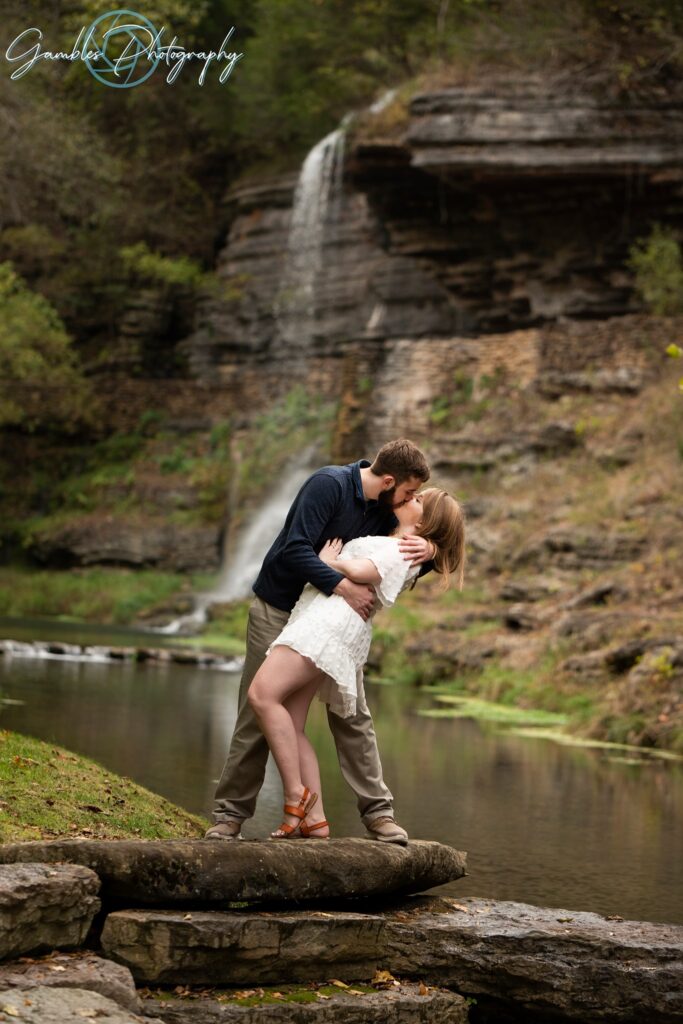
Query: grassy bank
pixel 97 594
pixel 50 793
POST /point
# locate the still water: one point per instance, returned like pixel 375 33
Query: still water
pixel 543 824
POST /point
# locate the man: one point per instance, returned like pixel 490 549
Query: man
pixel 336 501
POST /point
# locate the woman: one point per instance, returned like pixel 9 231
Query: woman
pixel 325 644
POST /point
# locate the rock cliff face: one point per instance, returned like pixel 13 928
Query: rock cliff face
pixel 491 210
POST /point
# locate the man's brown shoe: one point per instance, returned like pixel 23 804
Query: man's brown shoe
pixel 387 831
pixel 225 830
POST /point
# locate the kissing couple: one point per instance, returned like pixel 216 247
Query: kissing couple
pixel 353 539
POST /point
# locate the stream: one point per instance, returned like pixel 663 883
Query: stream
pixel 572 827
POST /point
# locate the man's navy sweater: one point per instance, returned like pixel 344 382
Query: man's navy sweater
pixel 330 504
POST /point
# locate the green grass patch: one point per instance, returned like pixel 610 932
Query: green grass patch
pixel 114 596
pixel 226 631
pixel 488 711
pixel 214 642
pixel 49 792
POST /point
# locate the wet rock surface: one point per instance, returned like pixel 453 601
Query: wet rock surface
pixel 158 872
pixel 45 906
pixel 72 970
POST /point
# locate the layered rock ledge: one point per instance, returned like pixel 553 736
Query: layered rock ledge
pixel 189 871
pixel 409 1004
pixel 549 963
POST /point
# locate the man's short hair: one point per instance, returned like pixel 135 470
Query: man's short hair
pixel 401 459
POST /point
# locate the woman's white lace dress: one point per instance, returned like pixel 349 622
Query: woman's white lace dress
pixel 329 632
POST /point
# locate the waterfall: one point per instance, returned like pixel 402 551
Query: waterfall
pixel 242 562
pixel 317 201
pixel 241 570
pixel 316 205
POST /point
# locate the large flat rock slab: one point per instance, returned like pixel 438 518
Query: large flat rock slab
pixel 72 970
pixel 244 948
pixel 574 964
pixel 45 906
pixel 408 1004
pixel 173 871
pixel 547 964
pixel 63 1006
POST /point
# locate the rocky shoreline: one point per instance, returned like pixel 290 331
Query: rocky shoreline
pixel 345 913
pixel 93 652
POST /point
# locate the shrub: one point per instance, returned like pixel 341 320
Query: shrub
pixel 658 267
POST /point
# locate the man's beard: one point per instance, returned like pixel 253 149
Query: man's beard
pixel 386 498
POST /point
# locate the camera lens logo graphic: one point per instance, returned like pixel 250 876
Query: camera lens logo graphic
pixel 123 41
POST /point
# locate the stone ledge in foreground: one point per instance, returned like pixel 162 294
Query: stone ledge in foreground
pixel 45 906
pixel 404 1004
pixel 190 871
pixel 244 948
pixel 542 962
pixel 567 964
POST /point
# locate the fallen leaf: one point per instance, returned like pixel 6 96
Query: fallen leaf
pixel 423 990
pixel 339 984
pixel 57 967
pixel 187 917
pixel 460 906
pixel 9 1008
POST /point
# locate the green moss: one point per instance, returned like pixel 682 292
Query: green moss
pixel 49 792
pixel 568 740
pixel 266 995
pixel 488 711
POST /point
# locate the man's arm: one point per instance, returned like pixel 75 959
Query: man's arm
pixel 317 505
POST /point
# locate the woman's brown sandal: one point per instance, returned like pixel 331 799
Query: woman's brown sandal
pixel 305 804
pixel 307 829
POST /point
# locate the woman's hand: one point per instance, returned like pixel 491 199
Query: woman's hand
pixel 330 551
pixel 417 550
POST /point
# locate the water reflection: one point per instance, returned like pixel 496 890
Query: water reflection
pixel 544 824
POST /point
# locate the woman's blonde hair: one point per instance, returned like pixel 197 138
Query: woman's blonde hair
pixel 443 521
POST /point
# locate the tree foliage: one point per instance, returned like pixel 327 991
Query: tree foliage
pixel 40 380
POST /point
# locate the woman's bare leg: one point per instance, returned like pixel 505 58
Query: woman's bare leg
pixel 298 706
pixel 281 676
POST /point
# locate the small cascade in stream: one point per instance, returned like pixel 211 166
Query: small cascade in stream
pixel 243 558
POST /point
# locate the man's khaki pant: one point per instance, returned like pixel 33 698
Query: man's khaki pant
pixel 245 768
